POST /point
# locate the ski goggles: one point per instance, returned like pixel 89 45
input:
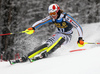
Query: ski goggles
pixel 53 14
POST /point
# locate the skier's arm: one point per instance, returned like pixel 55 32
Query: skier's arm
pixel 32 29
pixel 78 27
pixel 41 22
pixel 75 24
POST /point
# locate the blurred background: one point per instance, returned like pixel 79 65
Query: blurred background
pixel 18 15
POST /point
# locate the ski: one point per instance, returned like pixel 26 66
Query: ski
pixel 18 61
pixel 11 63
pixel 32 60
pixel 14 62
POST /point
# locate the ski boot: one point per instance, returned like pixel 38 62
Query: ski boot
pixel 23 59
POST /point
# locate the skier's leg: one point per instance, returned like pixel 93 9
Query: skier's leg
pixel 52 48
pixel 37 51
pixel 43 50
pixel 57 40
pixel 51 45
pixel 55 45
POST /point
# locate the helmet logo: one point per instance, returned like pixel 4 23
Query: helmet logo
pixel 53 7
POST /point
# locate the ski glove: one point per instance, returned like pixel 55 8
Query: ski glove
pixel 30 30
pixel 80 40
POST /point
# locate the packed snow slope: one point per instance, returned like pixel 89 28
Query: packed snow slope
pixel 63 61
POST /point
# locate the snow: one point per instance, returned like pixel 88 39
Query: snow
pixel 62 61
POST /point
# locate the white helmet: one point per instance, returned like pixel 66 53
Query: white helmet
pixel 53 8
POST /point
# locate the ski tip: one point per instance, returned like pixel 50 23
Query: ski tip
pixel 32 61
pixel 11 64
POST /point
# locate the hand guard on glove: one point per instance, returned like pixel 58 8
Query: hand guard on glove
pixel 80 40
pixel 30 30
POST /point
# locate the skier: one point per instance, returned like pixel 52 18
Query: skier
pixel 64 23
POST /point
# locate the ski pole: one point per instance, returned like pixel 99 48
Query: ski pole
pixel 93 43
pixel 9 33
pixel 86 43
pixel 26 31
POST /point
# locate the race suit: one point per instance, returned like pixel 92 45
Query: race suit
pixel 64 24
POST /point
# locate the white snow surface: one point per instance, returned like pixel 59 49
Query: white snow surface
pixel 62 61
